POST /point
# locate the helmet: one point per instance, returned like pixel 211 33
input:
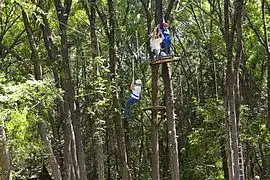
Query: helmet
pixel 165 24
pixel 138 81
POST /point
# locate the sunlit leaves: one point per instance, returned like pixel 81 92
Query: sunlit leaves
pixel 19 109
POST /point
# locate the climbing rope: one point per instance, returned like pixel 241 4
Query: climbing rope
pixel 133 73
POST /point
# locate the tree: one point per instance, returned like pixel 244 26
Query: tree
pixel 231 84
pixel 4 158
pixel 77 163
pixel 168 89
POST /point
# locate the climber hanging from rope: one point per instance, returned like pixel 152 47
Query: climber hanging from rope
pixel 134 96
pixel 167 39
pixel 155 42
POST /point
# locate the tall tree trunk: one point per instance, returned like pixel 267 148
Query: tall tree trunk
pixel 264 162
pixel 68 173
pixel 54 165
pixel 76 143
pixel 154 124
pixel 238 59
pixel 38 76
pixel 267 50
pixel 4 156
pixel 224 158
pixel 116 104
pixel 1 6
pixel 230 80
pixel 51 50
pixel 91 14
pixel 173 145
pixel 229 91
pixel 98 126
pixel 229 150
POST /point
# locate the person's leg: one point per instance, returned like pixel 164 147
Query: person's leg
pixel 157 52
pixel 167 47
pixel 127 107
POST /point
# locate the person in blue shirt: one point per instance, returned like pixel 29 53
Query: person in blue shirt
pixel 167 38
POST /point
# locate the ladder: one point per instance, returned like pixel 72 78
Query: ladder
pixel 241 163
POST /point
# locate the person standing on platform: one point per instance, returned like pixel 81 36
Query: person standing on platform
pixel 155 42
pixel 167 37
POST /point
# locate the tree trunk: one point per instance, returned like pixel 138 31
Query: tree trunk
pixel 68 173
pixel 54 165
pixel 94 45
pixel 4 156
pixel 229 150
pixel 1 6
pixel 91 14
pixel 4 153
pixel 267 50
pixel 173 145
pixel 116 104
pixel 224 158
pixel 230 80
pixel 266 43
pixel 76 146
pixel 33 47
pixel 154 124
pixel 38 76
pixel 238 60
pixel 51 50
pixel 50 47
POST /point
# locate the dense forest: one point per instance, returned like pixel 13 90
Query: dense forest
pixel 65 71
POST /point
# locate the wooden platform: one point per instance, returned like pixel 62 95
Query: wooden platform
pixel 155 108
pixel 165 59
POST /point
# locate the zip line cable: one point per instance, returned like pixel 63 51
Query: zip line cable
pixel 77 31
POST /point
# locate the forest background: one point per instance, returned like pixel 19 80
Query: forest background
pixel 65 71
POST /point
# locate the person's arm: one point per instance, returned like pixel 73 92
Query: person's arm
pixel 154 32
pixel 160 34
pixel 132 86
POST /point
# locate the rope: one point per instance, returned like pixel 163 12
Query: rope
pixel 133 73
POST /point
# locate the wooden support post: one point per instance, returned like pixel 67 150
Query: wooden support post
pixel 172 138
pixel 154 124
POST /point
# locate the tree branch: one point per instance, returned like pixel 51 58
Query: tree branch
pixel 17 56
pixel 103 20
pixel 169 10
pixel 255 31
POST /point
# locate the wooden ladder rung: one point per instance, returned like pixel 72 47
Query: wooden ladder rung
pixel 155 108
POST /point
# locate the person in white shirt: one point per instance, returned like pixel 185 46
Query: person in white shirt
pixel 134 96
pixel 155 42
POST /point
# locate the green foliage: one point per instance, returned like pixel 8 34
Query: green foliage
pixel 205 141
pixel 19 104
pixel 197 33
